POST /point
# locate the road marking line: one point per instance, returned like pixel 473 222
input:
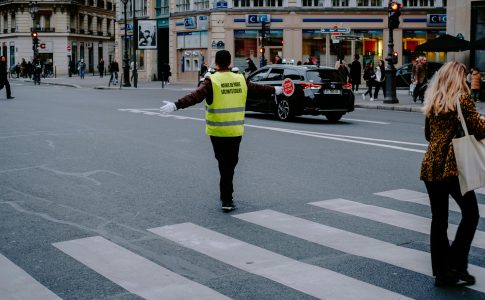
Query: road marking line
pixel 422 198
pixel 133 272
pixel 355 244
pixel 342 138
pixel 15 283
pixel 309 279
pixel 391 217
pixel 367 121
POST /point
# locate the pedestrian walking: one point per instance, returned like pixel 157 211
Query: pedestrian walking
pixel 101 67
pixel 475 79
pixel 440 174
pixel 166 73
pixel 380 77
pixel 225 94
pixel 420 72
pixel 355 73
pixel 342 68
pixel 82 68
pixel 369 76
pixel 4 77
pixel 36 70
pixel 114 68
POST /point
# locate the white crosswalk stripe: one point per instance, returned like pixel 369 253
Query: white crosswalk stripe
pixel 312 280
pixel 391 217
pixel 17 284
pixel 149 280
pixel 414 260
pixel 133 272
pixel 421 198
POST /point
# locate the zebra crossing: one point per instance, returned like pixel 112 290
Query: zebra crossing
pixel 149 280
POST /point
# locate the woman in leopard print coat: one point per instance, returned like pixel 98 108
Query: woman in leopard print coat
pixel 440 175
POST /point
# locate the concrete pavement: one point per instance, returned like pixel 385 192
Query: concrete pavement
pixel 405 100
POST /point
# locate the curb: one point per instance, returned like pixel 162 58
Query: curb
pixel 407 108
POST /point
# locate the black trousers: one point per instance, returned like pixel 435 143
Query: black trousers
pixel 7 87
pixel 444 256
pixel 226 151
pixel 377 86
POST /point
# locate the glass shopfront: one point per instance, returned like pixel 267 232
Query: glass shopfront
pixel 370 46
pixel 413 38
pixel 248 42
pixel 315 46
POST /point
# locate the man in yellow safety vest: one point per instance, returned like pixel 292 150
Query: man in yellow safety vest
pixel 225 93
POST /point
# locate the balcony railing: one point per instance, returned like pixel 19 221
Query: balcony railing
pixel 12 30
pixel 5 30
pixel 81 31
pixel 100 33
pixel 43 29
pixel 73 30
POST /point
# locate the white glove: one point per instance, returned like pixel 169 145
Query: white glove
pixel 168 107
pixel 278 90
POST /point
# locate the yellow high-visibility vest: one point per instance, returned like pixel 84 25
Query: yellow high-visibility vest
pixel 225 116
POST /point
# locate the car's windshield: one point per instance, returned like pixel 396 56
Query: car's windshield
pixel 322 76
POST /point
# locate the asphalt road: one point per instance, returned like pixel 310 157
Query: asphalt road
pixel 103 198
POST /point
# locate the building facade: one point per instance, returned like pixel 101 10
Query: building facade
pixel 467 19
pixel 68 31
pixel 299 29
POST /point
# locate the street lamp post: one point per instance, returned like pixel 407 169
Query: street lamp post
pixel 393 23
pixel 126 63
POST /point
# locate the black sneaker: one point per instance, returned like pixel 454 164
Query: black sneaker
pixel 10 97
pixel 465 278
pixel 228 206
pixel 446 279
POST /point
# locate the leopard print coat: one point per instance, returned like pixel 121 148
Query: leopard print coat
pixel 439 160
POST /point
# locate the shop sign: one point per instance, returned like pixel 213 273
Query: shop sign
pixel 190 23
pixel 221 4
pixel 257 19
pixel 46 47
pixel 335 30
pixel 202 22
pixel 437 20
pixel 218 45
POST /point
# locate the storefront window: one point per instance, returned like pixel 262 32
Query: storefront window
pixel 314 46
pixel 370 46
pixel 246 44
pixel 413 38
pixel 369 3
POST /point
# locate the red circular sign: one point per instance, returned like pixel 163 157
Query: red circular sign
pixel 42 46
pixel 288 87
pixel 68 47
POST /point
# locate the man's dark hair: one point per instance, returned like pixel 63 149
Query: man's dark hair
pixel 223 59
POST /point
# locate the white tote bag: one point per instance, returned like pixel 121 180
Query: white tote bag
pixel 470 158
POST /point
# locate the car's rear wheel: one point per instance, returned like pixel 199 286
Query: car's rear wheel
pixel 333 117
pixel 284 110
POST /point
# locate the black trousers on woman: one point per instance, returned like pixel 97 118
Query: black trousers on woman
pixel 444 256
pixel 226 150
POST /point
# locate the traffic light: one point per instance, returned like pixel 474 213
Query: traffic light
pixel 262 50
pixel 35 38
pixel 264 29
pixel 395 57
pixel 394 14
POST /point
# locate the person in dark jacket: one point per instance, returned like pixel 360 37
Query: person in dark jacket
pixel 166 73
pixel 369 80
pixel 380 77
pixel 101 67
pixel 4 77
pixel 355 73
pixel 440 172
pixel 225 94
pixel 251 66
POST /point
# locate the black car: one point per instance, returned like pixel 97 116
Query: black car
pixel 403 73
pixel 318 91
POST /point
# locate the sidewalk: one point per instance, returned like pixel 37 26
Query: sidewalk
pixel 405 100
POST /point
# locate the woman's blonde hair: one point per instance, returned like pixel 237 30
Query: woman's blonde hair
pixel 447 85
